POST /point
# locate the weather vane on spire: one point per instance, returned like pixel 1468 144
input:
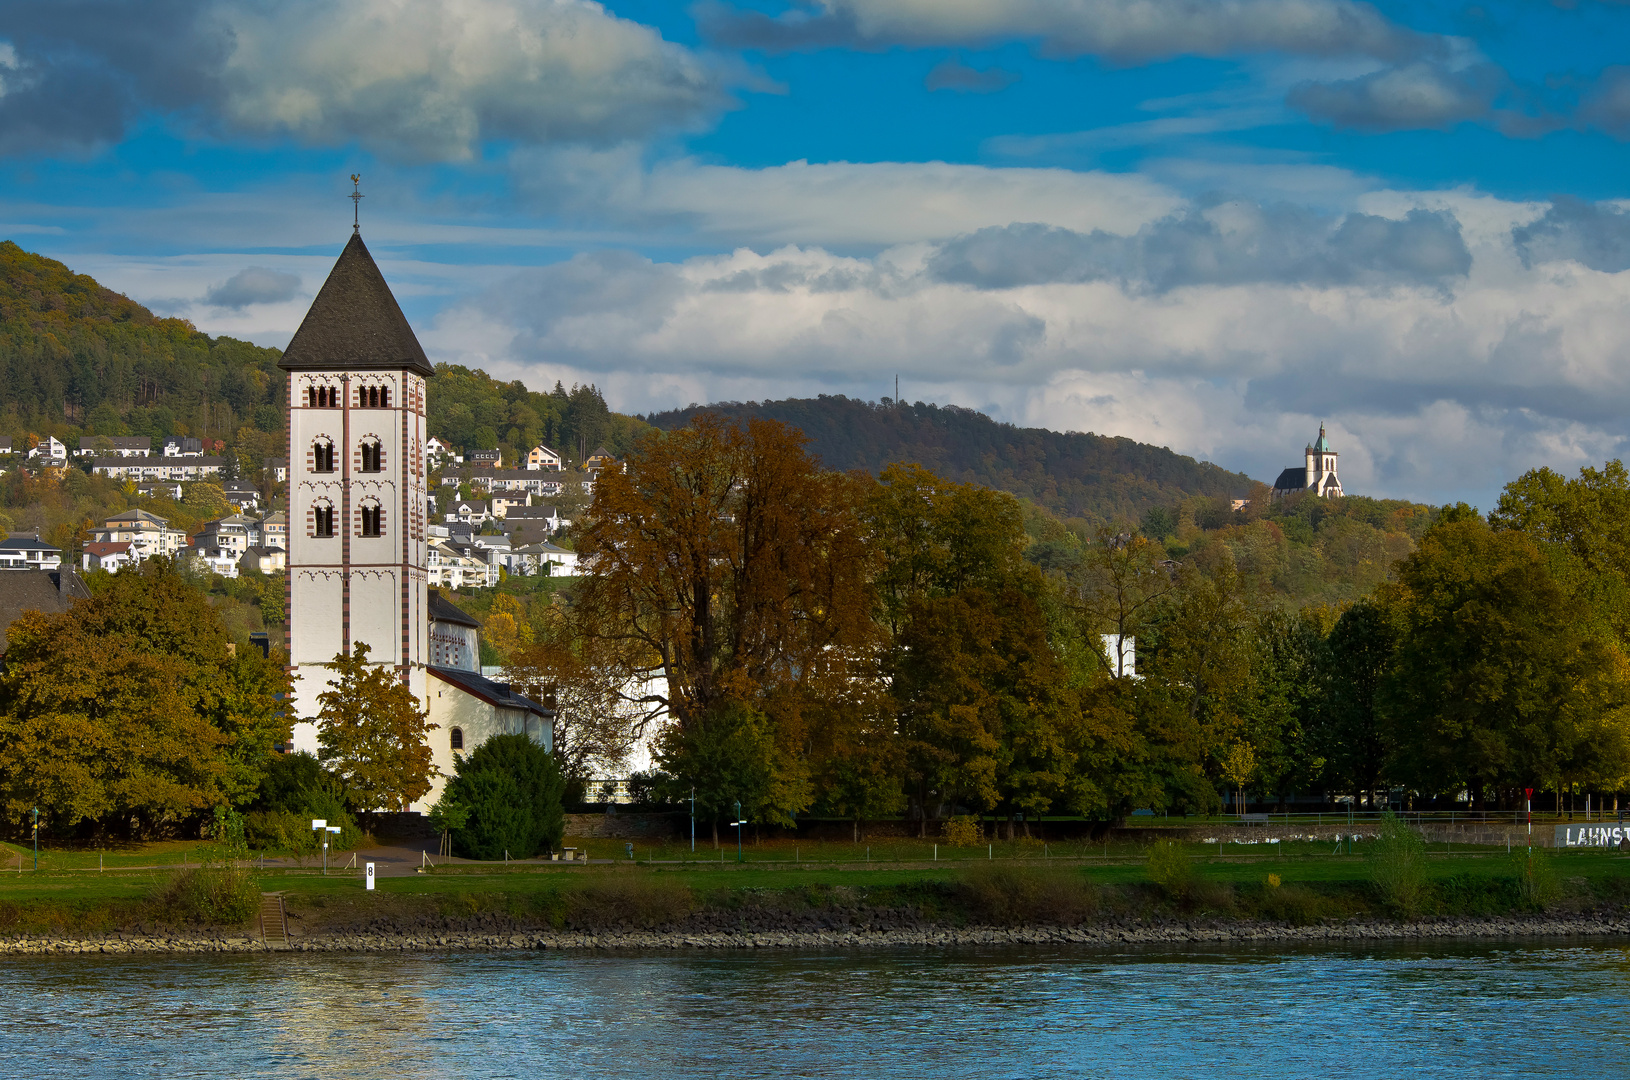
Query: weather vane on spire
pixel 356 198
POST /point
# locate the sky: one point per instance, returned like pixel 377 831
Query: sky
pixel 1204 224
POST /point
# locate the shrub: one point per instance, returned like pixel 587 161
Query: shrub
pixel 1005 893
pixel 1537 881
pixel 1294 904
pixel 511 788
pixel 219 895
pixel 290 832
pixel 1398 865
pixel 963 831
pixel 1171 868
pixel 288 780
pixel 641 901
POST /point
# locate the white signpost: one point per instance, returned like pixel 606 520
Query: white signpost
pixel 370 876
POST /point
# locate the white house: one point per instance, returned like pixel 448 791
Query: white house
pixel 263 560
pixel 28 553
pixel 436 453
pixel 451 569
pixel 170 467
pixel 215 558
pixel 100 555
pixel 544 558
pixel 52 449
pixel 114 446
pixel 183 446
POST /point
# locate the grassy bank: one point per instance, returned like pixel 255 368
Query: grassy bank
pixel 1294 884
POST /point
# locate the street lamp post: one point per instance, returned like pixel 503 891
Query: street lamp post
pixel 321 824
pixel 738 830
pixel 693 820
pixel 36 838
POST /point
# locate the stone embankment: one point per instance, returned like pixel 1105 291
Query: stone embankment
pixel 1594 926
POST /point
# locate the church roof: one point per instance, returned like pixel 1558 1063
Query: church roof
pixel 1291 480
pixel 355 322
pixel 1323 445
pixel 498 694
pixel 443 610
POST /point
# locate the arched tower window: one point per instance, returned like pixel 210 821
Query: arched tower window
pixel 323 397
pixel 373 397
pixel 321 518
pixel 322 455
pixel 373 455
pixel 372 517
pixel 456 736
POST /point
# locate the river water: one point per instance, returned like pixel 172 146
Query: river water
pixel 1386 1011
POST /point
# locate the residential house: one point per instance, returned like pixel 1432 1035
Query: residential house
pixel 160 489
pixel 28 553
pixel 470 512
pixel 541 457
pixel 241 495
pixel 101 555
pixel 536 522
pixel 235 533
pixel 274 530
pixel 263 560
pixel 183 446
pixel 169 467
pixel 5 445
pixel 546 559
pixel 493 550
pixel 600 459
pixel 490 459
pixel 500 505
pixel 277 469
pixel 451 569
pixel 436 454
pixel 52 449
pixel 114 446
pixel 147 534
pixel 212 557
pixel 48 591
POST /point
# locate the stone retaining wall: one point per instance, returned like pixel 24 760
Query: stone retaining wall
pixel 1591 926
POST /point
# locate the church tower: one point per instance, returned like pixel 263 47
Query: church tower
pixel 357 562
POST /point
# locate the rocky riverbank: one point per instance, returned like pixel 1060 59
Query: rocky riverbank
pixel 1590 926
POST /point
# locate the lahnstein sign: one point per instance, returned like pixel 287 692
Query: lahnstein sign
pixel 1591 835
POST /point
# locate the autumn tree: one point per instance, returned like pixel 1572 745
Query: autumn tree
pixel 133 710
pixel 725 566
pixel 371 734
pixel 594 728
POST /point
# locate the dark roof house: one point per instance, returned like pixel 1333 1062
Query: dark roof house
pixel 50 591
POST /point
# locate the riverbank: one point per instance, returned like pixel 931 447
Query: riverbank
pixel 1438 929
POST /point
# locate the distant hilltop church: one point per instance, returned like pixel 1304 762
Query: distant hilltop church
pixel 1317 473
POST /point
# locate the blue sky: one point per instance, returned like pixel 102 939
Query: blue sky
pixel 1207 224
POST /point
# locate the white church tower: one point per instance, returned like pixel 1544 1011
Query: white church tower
pixel 357 563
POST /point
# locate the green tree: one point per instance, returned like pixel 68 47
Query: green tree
pixel 1502 678
pixel 727 756
pixel 510 790
pixel 1350 735
pixel 371 734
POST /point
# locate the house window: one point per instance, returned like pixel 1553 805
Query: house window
pixel 373 455
pixel 457 735
pixel 323 397
pixel 322 520
pixel 322 456
pixel 373 520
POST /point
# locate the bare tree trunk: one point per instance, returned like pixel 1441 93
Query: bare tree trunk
pixel 715 833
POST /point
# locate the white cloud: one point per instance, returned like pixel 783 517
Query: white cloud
pixel 1435 394
pixel 838 204
pixel 1126 31
pixel 437 78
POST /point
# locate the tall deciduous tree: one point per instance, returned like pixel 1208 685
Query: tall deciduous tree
pixel 371 734
pixel 724 563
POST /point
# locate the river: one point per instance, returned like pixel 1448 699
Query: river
pixel 1521 1008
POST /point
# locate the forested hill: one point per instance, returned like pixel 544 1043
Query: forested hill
pixel 77 358
pixel 1096 477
